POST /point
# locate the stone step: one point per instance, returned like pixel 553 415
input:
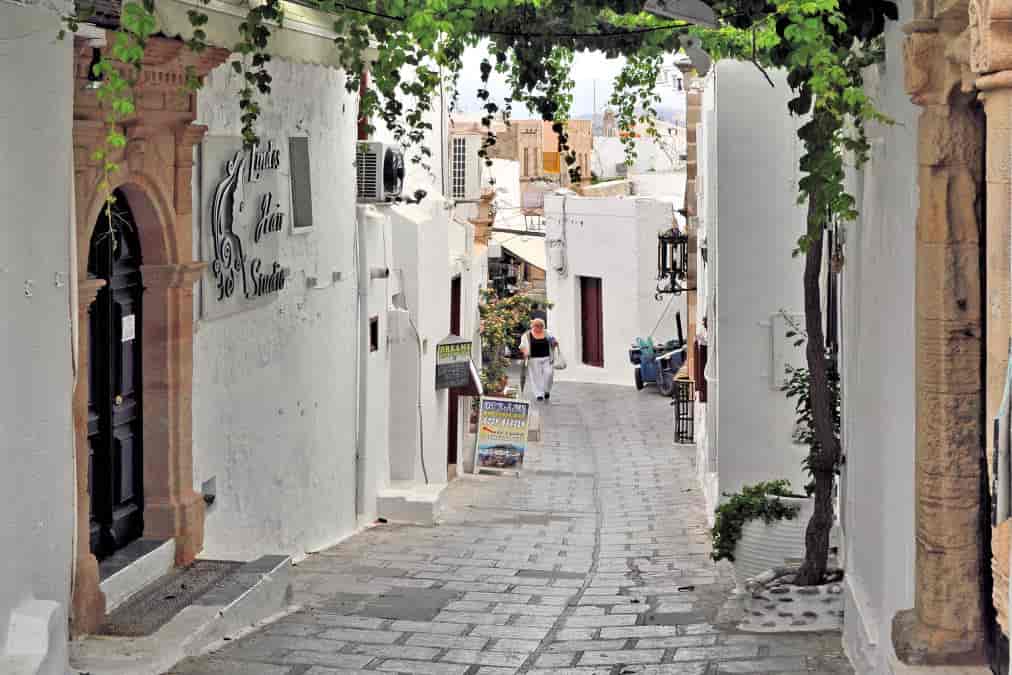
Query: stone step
pixel 246 596
pixel 410 502
pixel 135 567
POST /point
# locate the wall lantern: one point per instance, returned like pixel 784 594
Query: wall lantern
pixel 672 262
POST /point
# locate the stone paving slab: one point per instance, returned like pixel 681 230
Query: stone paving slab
pixel 594 560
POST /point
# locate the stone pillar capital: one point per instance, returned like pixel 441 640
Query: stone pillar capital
pixel 990 34
pixel 182 275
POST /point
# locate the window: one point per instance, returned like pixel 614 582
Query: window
pixel 458 171
pixel 302 198
pixel 374 334
pixel 527 166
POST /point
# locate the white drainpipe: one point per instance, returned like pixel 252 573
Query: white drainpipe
pixel 364 216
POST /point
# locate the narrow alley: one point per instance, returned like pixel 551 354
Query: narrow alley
pixel 594 560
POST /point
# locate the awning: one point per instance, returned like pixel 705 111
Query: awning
pixel 306 35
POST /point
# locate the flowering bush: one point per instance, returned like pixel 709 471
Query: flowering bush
pixel 503 320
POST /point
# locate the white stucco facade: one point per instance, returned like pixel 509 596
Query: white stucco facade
pixel 652 155
pixel 36 186
pixel 274 388
pixel 613 239
pixel 877 368
pixel 750 223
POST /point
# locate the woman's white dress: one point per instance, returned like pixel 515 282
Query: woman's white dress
pixel 540 371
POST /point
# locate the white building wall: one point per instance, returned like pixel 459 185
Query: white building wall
pixel 706 427
pixel 274 390
pixel 759 223
pixel 614 239
pixel 609 152
pixel 36 187
pixel 420 246
pixel 878 373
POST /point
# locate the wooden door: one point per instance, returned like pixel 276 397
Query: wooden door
pixel 592 321
pixel 453 414
pixel 115 475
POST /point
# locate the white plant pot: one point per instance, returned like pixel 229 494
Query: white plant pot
pixel 764 546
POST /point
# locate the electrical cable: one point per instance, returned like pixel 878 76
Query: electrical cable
pixel 661 318
pixel 421 427
pixel 418 342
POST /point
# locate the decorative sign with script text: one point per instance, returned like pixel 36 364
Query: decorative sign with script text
pixel 245 210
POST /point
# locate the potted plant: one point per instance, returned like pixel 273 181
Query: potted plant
pixel 760 528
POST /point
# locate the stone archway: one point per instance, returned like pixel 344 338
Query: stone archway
pixel 155 174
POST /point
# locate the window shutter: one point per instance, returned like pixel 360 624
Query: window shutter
pixel 458 174
pixel 302 197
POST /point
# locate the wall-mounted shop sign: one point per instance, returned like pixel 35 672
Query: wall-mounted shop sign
pixel 453 363
pixel 245 210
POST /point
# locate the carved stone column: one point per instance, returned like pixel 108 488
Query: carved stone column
pixel 946 624
pixel 87 605
pixel 991 58
pixel 171 506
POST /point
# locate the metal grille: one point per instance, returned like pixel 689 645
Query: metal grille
pixel 368 173
pixel 459 169
pixel 683 405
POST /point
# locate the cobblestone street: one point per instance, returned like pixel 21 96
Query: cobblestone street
pixel 594 560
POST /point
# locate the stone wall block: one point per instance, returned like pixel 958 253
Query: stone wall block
pixel 950 420
pixel 952 271
pixel 942 580
pixel 950 141
pixel 948 210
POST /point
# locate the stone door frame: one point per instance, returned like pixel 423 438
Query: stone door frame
pixel 155 174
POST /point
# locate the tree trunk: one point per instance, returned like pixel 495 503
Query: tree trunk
pixel 823 462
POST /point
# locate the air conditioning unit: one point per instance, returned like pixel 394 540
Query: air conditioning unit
pixel 380 169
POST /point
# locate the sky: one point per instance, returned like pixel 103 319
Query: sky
pixel 590 70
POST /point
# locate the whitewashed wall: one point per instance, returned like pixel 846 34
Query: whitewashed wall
pixel 706 418
pixel 420 246
pixel 759 223
pixel 609 152
pixel 878 373
pixel 615 239
pixel 274 387
pixel 36 184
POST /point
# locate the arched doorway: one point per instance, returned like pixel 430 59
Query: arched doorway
pixel 116 476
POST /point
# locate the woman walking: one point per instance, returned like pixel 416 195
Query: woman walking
pixel 538 348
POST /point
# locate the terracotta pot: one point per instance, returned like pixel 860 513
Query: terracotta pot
pixel 764 546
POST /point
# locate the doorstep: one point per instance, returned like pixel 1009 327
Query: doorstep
pixel 241 598
pixel 139 564
pixel 411 502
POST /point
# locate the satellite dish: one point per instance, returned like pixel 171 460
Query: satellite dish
pixel 693 47
pixel 693 11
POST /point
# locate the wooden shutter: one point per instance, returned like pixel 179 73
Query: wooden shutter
pixel 302 194
pixel 592 321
